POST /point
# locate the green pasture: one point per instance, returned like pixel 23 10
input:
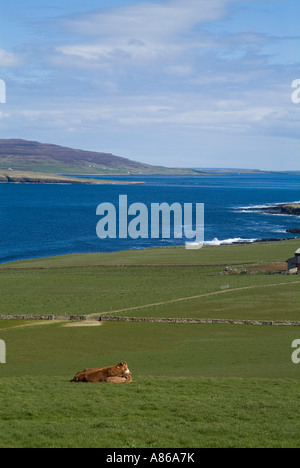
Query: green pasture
pixel 194 385
pixel 151 350
pixel 106 283
pixel 275 302
pixel 261 252
pixel 151 413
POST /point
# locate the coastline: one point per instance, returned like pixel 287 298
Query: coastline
pixel 133 251
pixel 20 177
pixel 291 209
pixel 229 242
pixel 272 240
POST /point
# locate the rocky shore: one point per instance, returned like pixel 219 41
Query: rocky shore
pixel 292 209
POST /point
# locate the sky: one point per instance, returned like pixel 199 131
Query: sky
pixel 179 83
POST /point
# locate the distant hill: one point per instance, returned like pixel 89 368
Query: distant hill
pixel 25 155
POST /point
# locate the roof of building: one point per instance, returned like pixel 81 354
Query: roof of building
pixel 298 252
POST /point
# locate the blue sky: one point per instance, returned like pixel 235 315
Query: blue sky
pixel 197 83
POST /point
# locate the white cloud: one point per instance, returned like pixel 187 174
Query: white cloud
pixel 247 113
pixel 118 51
pixel 8 59
pixel 149 19
pixel 169 68
pixel 142 32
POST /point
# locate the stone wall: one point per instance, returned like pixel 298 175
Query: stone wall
pixel 27 317
pixel 107 318
pixel 112 318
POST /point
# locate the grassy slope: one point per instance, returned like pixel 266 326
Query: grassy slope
pixel 231 254
pixel 50 178
pixel 96 169
pixel 60 286
pixel 34 156
pixel 157 413
pixel 195 385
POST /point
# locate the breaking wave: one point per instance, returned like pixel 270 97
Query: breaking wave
pixel 236 240
pixel 264 206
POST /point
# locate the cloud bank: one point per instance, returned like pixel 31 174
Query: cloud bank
pixel 182 74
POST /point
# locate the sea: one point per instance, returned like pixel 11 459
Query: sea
pixel 44 220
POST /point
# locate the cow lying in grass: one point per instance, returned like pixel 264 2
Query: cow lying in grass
pixel 113 374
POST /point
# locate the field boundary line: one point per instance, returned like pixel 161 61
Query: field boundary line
pixel 200 321
pixel 107 316
pixel 189 298
pixel 124 265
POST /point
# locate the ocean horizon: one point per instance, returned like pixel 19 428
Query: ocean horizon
pixel 45 220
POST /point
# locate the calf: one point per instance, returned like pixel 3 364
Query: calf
pixel 124 378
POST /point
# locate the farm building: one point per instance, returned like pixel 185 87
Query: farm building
pixel 294 264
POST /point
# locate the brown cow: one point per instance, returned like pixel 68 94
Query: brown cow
pixel 101 374
pixel 124 378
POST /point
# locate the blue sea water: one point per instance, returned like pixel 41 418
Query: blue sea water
pixel 47 220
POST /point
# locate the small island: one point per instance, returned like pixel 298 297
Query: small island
pixel 28 177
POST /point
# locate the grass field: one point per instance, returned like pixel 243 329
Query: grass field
pixel 83 284
pixel 194 385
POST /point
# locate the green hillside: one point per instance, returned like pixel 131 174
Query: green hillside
pixel 25 155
